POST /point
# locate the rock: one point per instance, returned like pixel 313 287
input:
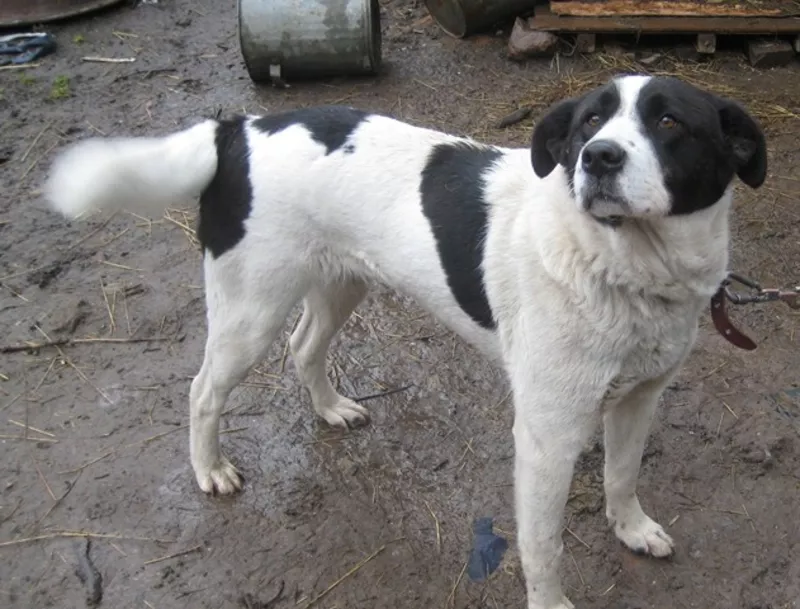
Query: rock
pixel 651 59
pixel 769 53
pixel 706 44
pixel 585 43
pixel 525 41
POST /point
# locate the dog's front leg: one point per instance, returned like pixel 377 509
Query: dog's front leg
pixel 627 424
pixel 550 430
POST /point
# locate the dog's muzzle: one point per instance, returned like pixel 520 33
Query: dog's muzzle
pixel 601 162
pixel 603 158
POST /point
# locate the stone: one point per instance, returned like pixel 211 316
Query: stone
pixel 585 43
pixel 769 53
pixel 651 59
pixel 525 41
pixel 706 44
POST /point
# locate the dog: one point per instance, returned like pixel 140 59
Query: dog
pixel 581 265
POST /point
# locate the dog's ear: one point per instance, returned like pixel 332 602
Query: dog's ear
pixel 746 141
pixel 550 137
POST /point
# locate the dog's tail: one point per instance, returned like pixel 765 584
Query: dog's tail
pixel 137 174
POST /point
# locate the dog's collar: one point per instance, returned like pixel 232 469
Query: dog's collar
pixel 757 294
pixel 723 324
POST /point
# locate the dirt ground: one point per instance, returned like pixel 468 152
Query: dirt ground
pixel 379 517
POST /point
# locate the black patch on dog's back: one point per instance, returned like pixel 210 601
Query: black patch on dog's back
pixel 331 126
pixel 226 202
pixel 453 200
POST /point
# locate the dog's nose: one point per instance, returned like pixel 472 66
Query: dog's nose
pixel 602 157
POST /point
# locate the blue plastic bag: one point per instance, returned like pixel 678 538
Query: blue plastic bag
pixel 487 550
pixel 24 48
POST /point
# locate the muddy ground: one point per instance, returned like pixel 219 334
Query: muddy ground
pixel 380 517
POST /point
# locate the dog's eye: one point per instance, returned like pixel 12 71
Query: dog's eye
pixel 667 122
pixel 593 120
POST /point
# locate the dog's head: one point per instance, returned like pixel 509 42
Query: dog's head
pixel 649 147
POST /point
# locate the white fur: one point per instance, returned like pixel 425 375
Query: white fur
pixel 142 173
pixel 592 322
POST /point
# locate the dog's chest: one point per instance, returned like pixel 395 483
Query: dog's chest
pixel 654 347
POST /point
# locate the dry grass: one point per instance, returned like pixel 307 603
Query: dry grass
pixel 707 75
pixel 350 573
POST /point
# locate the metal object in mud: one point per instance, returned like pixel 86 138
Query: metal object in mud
pixel 460 18
pixel 27 12
pixel 297 39
pixel 758 294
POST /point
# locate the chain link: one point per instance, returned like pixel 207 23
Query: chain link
pixel 759 294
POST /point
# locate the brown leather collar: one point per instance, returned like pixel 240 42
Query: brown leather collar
pixel 719 315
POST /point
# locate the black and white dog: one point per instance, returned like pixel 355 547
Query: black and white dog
pixel 584 275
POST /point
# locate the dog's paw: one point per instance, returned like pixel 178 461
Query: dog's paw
pixel 223 478
pixel 644 536
pixel 344 413
pixel 564 604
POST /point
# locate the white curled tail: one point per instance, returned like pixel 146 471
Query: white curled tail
pixel 137 174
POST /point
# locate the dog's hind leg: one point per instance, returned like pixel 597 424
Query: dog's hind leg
pixel 326 309
pixel 244 317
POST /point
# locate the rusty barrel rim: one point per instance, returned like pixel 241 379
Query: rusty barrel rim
pixel 16 13
pixel 242 43
pixel 461 18
pixel 450 16
pixel 372 13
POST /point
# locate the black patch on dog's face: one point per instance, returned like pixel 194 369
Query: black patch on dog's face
pixel 712 140
pixel 602 103
pixel 453 200
pixel 559 137
pixel 331 126
pixel 226 202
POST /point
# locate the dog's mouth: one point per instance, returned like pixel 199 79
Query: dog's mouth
pixel 602 202
pixel 606 209
pixel 612 221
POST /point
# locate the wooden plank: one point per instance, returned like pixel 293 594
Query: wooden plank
pixel 545 20
pixel 673 8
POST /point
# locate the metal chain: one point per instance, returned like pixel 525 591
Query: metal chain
pixel 758 294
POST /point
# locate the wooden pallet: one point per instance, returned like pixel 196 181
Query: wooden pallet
pixel 706 28
pixel 546 20
pixel 675 8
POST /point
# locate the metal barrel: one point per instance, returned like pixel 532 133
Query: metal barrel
pixel 299 39
pixel 460 18
pixel 15 13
